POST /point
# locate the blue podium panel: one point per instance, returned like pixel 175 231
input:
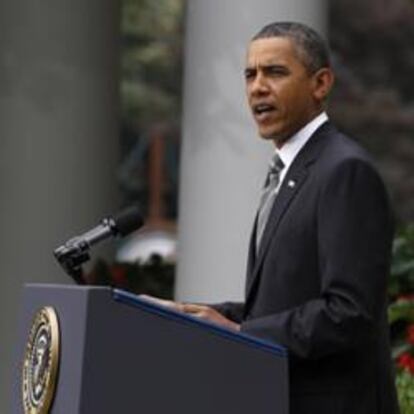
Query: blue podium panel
pixel 120 354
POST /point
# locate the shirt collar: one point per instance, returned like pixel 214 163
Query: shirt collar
pixel 294 144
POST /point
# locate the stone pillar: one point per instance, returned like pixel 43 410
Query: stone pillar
pixel 58 140
pixel 223 160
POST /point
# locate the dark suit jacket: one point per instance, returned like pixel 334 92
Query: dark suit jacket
pixel 318 283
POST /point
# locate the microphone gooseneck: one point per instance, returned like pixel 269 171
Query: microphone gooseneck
pixel 72 254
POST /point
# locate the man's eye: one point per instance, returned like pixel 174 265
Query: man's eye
pixel 249 74
pixel 277 71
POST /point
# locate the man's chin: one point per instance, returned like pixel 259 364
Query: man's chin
pixel 278 138
pixel 266 137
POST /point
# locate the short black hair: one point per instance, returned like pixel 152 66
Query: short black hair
pixel 311 48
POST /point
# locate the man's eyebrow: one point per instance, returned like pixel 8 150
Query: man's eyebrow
pixel 274 66
pixel 267 66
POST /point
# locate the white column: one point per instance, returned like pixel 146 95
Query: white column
pixel 58 141
pixel 223 159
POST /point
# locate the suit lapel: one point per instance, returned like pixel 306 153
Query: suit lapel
pixel 290 187
pixel 252 250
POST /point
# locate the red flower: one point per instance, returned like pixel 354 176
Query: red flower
pixel 407 296
pixel 406 361
pixel 410 334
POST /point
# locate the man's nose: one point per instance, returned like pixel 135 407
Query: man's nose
pixel 259 84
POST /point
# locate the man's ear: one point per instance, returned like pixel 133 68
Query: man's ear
pixel 323 81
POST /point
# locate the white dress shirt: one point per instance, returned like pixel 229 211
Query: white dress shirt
pixel 293 145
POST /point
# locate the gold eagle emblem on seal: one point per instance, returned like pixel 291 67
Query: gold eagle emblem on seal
pixel 41 362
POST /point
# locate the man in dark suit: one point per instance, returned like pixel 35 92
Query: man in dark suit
pixel 319 253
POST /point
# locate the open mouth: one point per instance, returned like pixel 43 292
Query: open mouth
pixel 263 109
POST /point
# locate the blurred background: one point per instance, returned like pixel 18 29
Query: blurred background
pixel 104 104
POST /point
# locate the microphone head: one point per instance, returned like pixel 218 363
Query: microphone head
pixel 128 220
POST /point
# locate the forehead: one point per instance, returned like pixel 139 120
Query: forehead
pixel 272 50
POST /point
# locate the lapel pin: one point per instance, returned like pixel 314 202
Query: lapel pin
pixel 291 184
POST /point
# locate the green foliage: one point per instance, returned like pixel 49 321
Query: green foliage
pixel 401 316
pixel 150 89
pixel 405 386
pixel 402 270
pixel 151 60
pixel 401 310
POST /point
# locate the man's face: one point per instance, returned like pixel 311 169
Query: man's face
pixel 280 91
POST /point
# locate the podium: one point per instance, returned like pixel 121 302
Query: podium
pixel 117 353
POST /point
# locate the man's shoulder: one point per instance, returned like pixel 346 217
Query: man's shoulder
pixel 339 147
pixel 341 156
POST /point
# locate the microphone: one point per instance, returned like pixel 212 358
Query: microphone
pixel 75 251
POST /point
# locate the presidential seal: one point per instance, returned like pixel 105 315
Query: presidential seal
pixel 41 362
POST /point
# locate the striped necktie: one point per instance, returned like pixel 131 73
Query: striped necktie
pixel 268 196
